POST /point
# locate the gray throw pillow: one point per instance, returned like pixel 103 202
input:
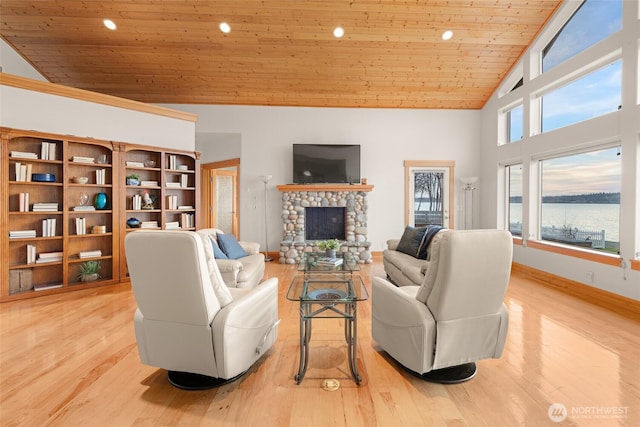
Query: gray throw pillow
pixel 410 240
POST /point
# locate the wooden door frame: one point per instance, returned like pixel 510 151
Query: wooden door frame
pixel 207 189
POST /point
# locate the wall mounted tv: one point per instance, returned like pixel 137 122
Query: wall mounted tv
pixel 326 164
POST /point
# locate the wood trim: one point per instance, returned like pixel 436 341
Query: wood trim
pixel 98 98
pixel 324 187
pixel 627 307
pixel 635 264
pixel 517 241
pixel 602 258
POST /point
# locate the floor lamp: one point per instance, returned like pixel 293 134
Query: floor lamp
pixel 266 179
pixel 468 188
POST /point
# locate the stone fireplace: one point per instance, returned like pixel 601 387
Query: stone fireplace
pixel 318 212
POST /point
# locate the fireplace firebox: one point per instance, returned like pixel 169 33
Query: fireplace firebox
pixel 324 223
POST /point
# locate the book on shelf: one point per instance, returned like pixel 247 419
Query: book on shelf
pixel 185 207
pixel 173 185
pixel 149 183
pixel 50 255
pixel 23 155
pixel 172 202
pixel 45 207
pixel 100 176
pixel 173 161
pixel 22 234
pixel 172 225
pixel 84 208
pixel 83 159
pixel 149 224
pixel 23 172
pixel 31 254
pixel 136 202
pixel 24 202
pixel 187 220
pixel 133 164
pixel 47 260
pixel 184 180
pixel 49 227
pixel 331 262
pixel 48 150
pixel 45 286
pixel 81 226
pixel 90 254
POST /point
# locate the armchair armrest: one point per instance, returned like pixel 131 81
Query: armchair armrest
pixel 393 244
pixel 251 248
pixel 229 270
pixel 246 328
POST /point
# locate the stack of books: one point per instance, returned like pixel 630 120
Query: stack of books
pixel 173 185
pixel 185 207
pixel 84 208
pixel 24 202
pixel 45 286
pixel 173 225
pixel 90 254
pixel 23 172
pixel 45 207
pixel 330 262
pixel 100 177
pixel 48 150
pixel 22 234
pixel 149 224
pixel 46 257
pixel 184 180
pixel 82 159
pixel 23 155
pixel 81 226
pixel 49 227
pixel 149 183
pixel 133 164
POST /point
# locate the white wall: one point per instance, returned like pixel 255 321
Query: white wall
pixel 12 63
pixel 621 126
pixel 387 138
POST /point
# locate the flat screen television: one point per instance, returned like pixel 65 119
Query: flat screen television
pixel 326 164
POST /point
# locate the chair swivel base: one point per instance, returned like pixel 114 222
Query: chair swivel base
pixel 191 381
pixel 451 375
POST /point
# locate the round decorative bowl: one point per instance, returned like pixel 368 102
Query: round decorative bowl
pixel 133 223
pixel 80 179
pixel 150 164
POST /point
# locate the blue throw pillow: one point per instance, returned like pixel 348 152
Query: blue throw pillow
pixel 230 246
pixel 217 252
pixel 410 240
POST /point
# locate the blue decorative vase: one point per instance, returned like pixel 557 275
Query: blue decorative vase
pixel 133 223
pixel 101 201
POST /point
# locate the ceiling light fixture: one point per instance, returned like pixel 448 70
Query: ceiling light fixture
pixel 109 24
pixel 447 35
pixel 224 27
pixel 338 32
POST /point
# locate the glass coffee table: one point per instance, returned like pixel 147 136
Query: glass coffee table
pixel 328 291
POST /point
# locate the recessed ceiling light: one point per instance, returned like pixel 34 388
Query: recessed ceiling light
pixel 224 27
pixel 447 35
pixel 109 24
pixel 338 32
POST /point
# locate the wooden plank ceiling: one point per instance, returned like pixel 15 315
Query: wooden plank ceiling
pixel 279 52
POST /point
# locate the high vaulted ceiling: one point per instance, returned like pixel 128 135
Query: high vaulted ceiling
pixel 279 52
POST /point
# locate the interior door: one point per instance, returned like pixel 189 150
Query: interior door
pixel 429 193
pixel 220 195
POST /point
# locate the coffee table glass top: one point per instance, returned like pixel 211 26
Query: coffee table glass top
pixel 318 262
pixel 327 289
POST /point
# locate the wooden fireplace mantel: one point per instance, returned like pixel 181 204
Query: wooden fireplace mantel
pixel 324 187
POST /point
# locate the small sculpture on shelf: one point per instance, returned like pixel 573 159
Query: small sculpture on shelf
pixel 147 200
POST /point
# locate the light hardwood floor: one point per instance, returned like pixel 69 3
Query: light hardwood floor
pixel 71 360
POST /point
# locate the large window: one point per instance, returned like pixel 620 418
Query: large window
pixel 514 124
pixel 514 205
pixel 594 21
pixel 593 95
pixel 580 199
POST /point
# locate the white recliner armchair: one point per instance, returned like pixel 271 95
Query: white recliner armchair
pixel 457 316
pixel 188 321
